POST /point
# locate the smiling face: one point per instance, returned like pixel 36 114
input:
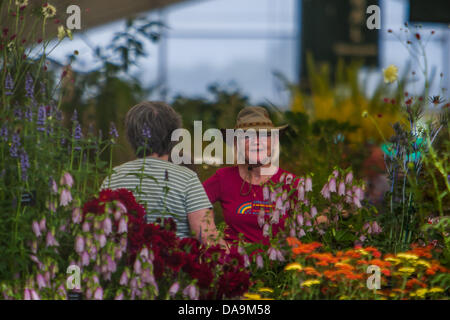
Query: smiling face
pixel 258 149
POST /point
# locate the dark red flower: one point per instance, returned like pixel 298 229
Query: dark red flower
pixel 417 36
pixel 386 100
pixel 232 284
pixel 175 261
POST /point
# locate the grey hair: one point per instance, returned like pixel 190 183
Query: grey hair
pixel 157 118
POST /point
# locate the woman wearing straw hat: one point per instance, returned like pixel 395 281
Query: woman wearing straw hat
pixel 239 188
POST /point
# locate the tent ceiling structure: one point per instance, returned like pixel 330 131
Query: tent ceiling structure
pixel 94 13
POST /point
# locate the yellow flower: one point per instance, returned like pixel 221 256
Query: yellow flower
pixel 424 263
pixel 365 114
pixel 69 34
pixel 49 11
pixel 343 298
pixel 252 296
pixel 311 282
pixel 390 74
pixel 407 256
pixel 293 266
pixel 406 270
pixel 265 290
pixel 61 33
pixel 421 292
pixel 435 290
pixel 394 260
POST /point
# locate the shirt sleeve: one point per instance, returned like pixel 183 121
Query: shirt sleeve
pixel 196 198
pixel 212 188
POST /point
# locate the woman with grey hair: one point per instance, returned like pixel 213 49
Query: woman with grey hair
pixel 164 188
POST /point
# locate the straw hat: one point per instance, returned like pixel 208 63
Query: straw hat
pixel 257 118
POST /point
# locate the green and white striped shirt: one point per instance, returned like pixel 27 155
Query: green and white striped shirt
pixel 167 190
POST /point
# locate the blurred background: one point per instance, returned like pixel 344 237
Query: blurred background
pixel 314 63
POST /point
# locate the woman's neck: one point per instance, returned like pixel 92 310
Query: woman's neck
pixel 253 174
pixel 164 157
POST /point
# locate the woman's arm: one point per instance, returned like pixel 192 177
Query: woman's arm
pixel 203 226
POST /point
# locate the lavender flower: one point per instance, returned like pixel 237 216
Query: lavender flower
pixel 113 131
pixel 76 215
pixel 146 132
pixel 29 114
pixel 74 117
pixel 42 224
pixel 4 133
pixel 301 193
pixel 174 289
pixel 9 85
pixel 275 219
pixel 41 118
pixel 313 212
pixel 85 258
pixel 272 252
pixel 107 226
pixel 18 113
pixel 124 277
pixel 266 193
pixel 259 262
pixel 266 230
pixel 29 86
pixel 50 240
pixel 349 178
pixel 261 219
pixel 36 229
pixel 119 296
pixel 77 134
pixel 98 293
pixel 300 220
pixel 308 184
pixel 137 266
pixel 341 188
pixel 24 165
pixel 191 291
pixel 86 227
pixel 13 150
pixel 66 179
pixel 65 198
pixel 301 233
pixel 79 244
pixel 332 185
pixel 325 191
pixel 40 281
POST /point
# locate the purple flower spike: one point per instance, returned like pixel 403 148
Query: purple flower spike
pixel 9 85
pixel 113 131
pixel 29 86
pixel 24 165
pixel 41 118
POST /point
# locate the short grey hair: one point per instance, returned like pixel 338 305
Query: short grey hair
pixel 157 118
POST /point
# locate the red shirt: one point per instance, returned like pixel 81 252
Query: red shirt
pixel 241 212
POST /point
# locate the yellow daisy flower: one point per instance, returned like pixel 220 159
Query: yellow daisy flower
pixel 421 292
pixel 293 266
pixel 406 270
pixel 435 290
pixel 311 282
pixel 252 296
pixel 394 260
pixel 423 263
pixel 265 290
pixel 390 74
pixel 407 256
